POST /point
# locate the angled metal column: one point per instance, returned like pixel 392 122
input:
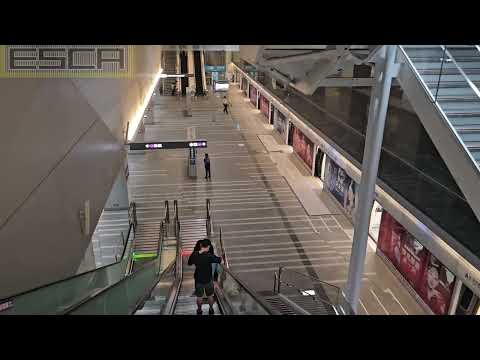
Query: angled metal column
pixel 385 69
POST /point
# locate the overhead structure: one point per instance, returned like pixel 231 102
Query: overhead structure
pixel 307 67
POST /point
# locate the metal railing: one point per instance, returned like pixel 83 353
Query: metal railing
pixel 315 289
pixel 132 214
pixel 209 217
pixel 167 212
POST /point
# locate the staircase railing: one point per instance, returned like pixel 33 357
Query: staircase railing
pixel 316 289
pixel 209 217
pixel 132 214
pixel 167 212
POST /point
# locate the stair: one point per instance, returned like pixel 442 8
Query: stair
pixel 314 307
pixel 191 230
pixel 146 238
pixel 277 303
pixel 449 110
pixel 455 97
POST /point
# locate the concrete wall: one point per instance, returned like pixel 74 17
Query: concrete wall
pixel 249 53
pixel 62 144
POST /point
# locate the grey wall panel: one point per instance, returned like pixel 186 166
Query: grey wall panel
pixel 249 53
pixel 41 120
pixel 43 241
pixel 116 101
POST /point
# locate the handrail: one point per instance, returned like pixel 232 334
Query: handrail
pixel 167 212
pixel 132 214
pixel 175 209
pixel 156 262
pixel 10 297
pixel 209 223
pixel 469 82
pixel 172 297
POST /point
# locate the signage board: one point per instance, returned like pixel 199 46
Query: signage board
pixel 169 145
pixel 211 69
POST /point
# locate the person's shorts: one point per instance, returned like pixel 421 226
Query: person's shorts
pixel 204 289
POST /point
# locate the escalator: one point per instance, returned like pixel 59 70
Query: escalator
pixel 442 84
pixel 161 285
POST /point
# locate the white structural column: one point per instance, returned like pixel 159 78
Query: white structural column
pixel 385 69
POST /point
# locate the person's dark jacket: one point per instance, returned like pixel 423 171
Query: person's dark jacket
pixel 203 267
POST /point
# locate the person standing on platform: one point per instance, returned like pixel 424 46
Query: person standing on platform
pixel 225 105
pixel 206 162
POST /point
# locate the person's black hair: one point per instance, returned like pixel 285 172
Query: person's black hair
pixel 206 154
pixel 197 246
pixel 205 243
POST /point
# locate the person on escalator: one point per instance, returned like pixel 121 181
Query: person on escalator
pixel 203 260
pixel 215 268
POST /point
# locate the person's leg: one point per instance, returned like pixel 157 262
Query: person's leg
pixel 207 172
pixel 199 289
pixel 209 290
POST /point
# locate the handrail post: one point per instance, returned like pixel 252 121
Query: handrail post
pixel 167 215
pixel 279 281
pixel 441 70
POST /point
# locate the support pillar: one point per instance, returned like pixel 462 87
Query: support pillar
pixel 455 297
pixel 384 72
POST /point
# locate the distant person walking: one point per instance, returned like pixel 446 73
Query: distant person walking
pixel 174 89
pixel 225 105
pixel 203 260
pixel 206 162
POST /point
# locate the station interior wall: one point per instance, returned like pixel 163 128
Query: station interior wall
pixel 63 140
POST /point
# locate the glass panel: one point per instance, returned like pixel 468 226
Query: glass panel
pixel 122 298
pixel 241 301
pixel 56 298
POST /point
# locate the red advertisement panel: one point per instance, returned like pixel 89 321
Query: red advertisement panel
pixel 303 146
pixel 253 96
pixel 389 238
pixel 428 277
pixel 436 286
pixel 264 106
pixel 412 259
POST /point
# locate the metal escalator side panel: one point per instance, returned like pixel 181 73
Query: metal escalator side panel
pixel 458 159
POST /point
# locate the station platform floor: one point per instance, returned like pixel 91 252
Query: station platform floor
pixel 271 211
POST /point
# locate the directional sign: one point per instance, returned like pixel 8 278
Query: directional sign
pixel 169 145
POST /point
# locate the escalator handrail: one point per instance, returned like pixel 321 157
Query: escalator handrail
pixel 172 297
pixel 128 277
pixel 76 275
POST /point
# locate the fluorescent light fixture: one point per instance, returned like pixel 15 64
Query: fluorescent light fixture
pixel 135 122
pixel 163 76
